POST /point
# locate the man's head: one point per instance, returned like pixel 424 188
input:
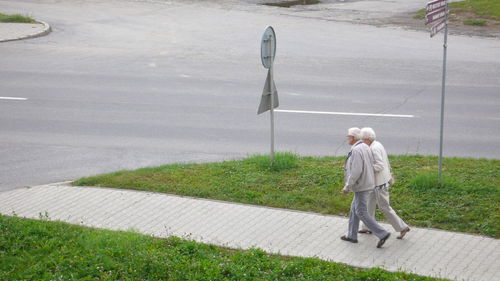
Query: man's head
pixel 353 135
pixel 368 135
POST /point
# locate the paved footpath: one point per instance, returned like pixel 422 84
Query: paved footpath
pixel 423 251
pixel 18 31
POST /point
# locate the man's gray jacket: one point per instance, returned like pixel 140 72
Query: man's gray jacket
pixel 358 169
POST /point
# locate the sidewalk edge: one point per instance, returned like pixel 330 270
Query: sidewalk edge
pixel 46 30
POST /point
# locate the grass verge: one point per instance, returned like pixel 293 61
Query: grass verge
pixel 466 202
pixel 472 12
pixel 485 9
pixel 16 18
pixel 43 250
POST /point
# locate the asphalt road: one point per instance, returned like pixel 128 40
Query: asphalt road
pixel 127 84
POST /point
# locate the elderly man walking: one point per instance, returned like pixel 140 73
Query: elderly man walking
pixel 359 178
pixel 383 180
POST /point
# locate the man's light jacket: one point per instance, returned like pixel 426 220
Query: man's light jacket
pixel 358 169
pixel 381 163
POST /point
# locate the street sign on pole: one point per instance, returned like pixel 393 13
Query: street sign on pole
pixel 436 5
pixel 437 27
pixel 435 15
pixel 268 47
pixel 438 10
pixel 265 101
pixel 269 98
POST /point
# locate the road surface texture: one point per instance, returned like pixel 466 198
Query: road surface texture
pixel 124 84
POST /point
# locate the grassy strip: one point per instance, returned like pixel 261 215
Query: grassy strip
pixel 471 12
pixel 467 201
pixel 42 250
pixel 485 9
pixel 16 18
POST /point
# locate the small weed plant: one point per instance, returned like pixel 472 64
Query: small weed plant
pixel 429 181
pixel 282 161
pixel 475 22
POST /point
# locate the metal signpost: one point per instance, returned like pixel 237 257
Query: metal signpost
pixel 269 98
pixel 437 12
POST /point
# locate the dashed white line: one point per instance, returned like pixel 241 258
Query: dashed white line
pixel 12 98
pixel 345 113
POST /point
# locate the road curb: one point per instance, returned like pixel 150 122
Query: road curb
pixel 46 30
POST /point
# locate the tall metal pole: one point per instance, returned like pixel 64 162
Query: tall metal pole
pixel 445 46
pixel 271 79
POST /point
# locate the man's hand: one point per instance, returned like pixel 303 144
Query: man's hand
pixel 345 190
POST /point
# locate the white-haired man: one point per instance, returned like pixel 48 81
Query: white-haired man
pixel 383 176
pixel 359 178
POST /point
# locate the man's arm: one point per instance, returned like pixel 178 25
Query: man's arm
pixel 378 161
pixel 356 168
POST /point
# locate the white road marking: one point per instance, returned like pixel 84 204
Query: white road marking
pixel 345 113
pixel 12 98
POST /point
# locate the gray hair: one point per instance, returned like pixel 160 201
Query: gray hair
pixel 368 134
pixel 355 132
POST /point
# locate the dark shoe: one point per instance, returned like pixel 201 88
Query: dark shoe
pixel 403 233
pixel 364 231
pixel 382 241
pixel 345 238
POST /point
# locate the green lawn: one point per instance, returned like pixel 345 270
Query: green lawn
pixel 486 9
pixel 472 12
pixel 467 201
pixel 43 250
pixel 16 18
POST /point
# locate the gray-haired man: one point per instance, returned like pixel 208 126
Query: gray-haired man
pixel 360 179
pixel 380 196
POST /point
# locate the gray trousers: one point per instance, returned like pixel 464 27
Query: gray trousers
pixel 359 211
pixel 380 198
